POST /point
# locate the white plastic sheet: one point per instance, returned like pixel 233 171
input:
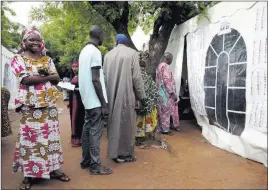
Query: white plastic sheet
pixel 227 74
pixel 175 47
pixel 8 79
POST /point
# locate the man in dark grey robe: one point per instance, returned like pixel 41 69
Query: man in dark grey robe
pixel 124 87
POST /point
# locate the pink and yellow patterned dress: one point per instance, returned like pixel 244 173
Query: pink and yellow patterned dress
pixel 38 150
pixel 167 107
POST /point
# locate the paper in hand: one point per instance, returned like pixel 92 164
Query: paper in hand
pixel 66 85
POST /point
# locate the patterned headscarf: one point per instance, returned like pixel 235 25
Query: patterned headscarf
pixel 25 34
pixel 75 63
pixel 121 39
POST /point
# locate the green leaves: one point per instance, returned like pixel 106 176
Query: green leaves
pixel 66 29
pixel 66 24
pixel 9 30
pixel 143 13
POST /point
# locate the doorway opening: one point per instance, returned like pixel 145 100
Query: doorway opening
pixel 185 109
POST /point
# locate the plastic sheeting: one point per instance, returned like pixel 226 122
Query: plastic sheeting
pixel 227 74
pixel 225 82
pixel 8 79
pixel 175 47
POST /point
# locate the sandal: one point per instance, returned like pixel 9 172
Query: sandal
pixel 124 159
pixel 60 176
pixel 167 133
pixel 144 146
pixel 76 145
pixel 175 128
pixel 26 184
pixel 102 171
pixel 84 166
pixel 130 159
pixel 118 160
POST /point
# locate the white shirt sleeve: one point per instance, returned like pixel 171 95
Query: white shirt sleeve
pixel 96 60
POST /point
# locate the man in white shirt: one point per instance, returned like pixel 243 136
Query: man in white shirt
pixel 94 97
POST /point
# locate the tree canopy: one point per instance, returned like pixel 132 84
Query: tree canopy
pixel 10 36
pixel 158 16
pixel 66 28
pixel 66 24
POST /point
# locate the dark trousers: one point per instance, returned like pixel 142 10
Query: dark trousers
pixel 91 137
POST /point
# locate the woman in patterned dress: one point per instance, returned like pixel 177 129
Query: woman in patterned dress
pixel 5 122
pixel 167 107
pixel 77 109
pixel 147 114
pixel 38 152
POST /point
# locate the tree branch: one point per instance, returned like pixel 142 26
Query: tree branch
pixel 124 16
pixel 120 23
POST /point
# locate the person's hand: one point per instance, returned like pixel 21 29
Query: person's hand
pixel 105 111
pixel 43 72
pixel 54 79
pixel 174 97
pixel 137 105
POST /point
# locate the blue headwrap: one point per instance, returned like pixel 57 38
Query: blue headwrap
pixel 121 39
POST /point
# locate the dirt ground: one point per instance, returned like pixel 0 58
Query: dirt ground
pixel 193 163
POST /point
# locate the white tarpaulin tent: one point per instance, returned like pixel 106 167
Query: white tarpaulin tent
pixel 8 79
pixel 227 75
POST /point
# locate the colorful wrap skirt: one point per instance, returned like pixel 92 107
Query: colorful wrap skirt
pixel 38 150
pixel 146 124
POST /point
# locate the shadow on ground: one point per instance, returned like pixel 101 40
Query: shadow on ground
pixel 192 163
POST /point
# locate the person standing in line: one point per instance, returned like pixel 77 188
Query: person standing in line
pixel 77 109
pixel 38 151
pixel 167 108
pixel 5 121
pixel 124 86
pixel 94 97
pixel 147 116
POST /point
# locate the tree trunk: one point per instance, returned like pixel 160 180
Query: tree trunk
pixel 120 24
pixel 163 27
pixel 157 47
pixel 122 29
